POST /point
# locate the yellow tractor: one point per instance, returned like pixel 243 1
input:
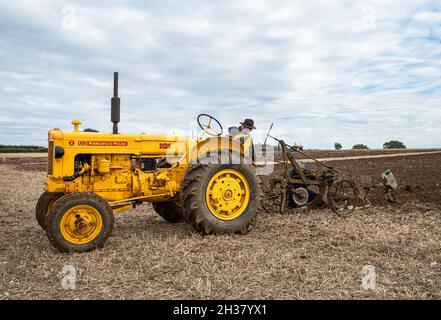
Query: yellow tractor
pixel 207 182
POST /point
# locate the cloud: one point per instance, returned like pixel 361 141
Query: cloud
pixel 322 71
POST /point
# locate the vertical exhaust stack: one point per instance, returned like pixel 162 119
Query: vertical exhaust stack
pixel 115 104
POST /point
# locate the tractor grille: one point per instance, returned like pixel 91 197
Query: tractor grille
pixel 50 158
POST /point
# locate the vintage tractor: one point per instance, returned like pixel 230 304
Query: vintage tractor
pixel 209 183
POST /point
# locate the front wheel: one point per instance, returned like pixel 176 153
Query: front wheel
pixel 220 198
pixel 79 222
pixel 44 204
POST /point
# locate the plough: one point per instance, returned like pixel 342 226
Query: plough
pixel 298 187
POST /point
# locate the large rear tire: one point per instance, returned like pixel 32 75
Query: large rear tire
pixel 220 198
pixel 44 204
pixel 79 222
pixel 170 211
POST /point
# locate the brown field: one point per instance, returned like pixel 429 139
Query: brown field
pixel 299 255
pixel 362 152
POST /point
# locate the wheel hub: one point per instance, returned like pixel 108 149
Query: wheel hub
pixel 81 224
pixel 227 194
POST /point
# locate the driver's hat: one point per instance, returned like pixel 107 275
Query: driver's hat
pixel 248 123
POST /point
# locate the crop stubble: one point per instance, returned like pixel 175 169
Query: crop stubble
pixel 298 255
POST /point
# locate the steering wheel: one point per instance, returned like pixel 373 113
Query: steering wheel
pixel 210 125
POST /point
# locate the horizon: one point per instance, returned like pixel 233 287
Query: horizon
pixel 271 145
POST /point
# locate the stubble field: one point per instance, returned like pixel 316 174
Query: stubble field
pixel 299 255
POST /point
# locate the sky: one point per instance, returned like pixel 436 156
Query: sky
pixel 321 71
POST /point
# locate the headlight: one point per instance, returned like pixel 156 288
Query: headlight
pixel 59 152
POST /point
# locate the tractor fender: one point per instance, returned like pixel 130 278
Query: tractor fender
pixel 211 147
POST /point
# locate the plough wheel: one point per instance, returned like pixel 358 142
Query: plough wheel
pixel 342 197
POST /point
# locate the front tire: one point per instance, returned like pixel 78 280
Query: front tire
pixel 44 204
pixel 220 198
pixel 79 222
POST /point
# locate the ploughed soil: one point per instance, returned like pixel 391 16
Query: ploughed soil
pixel 302 254
pixel 353 153
pixel 361 152
pixel 418 176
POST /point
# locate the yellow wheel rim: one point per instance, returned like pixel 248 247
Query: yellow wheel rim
pixel 81 224
pixel 227 194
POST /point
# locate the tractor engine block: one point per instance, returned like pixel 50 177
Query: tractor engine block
pixel 120 176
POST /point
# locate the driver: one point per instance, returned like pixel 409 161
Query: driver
pixel 243 134
pixel 244 130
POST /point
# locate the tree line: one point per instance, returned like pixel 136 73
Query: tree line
pixel 21 149
pixel 393 144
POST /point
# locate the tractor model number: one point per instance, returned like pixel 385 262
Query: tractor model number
pixel 164 145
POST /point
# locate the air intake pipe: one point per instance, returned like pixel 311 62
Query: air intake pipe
pixel 115 104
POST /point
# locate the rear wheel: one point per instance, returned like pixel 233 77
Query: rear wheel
pixel 170 211
pixel 79 222
pixel 220 198
pixel 44 204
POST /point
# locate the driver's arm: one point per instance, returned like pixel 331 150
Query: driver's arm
pixel 247 142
